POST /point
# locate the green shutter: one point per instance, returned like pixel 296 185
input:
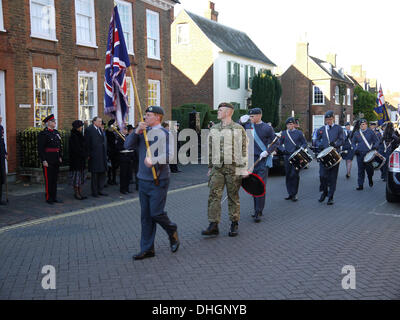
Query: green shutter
pixel 237 75
pixel 229 75
pixel 246 77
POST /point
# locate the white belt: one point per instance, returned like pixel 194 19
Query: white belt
pixel 126 151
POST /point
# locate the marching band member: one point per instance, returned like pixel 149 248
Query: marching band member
pixel 363 141
pixel 263 135
pixel 329 135
pixel 290 141
pixel 347 151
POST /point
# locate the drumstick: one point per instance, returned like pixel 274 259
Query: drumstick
pixel 259 159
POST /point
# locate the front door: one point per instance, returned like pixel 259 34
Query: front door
pixel 3 108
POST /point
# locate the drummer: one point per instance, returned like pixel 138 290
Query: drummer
pixel 263 135
pixel 347 150
pixel 364 140
pixel 291 140
pixel 329 135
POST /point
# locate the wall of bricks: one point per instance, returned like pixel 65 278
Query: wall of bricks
pixel 22 53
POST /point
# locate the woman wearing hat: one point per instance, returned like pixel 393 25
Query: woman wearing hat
pixel 77 158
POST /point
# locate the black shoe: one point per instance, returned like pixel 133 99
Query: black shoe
pixel 371 183
pixel 347 176
pixel 174 242
pixel 83 197
pixel 144 255
pixel 233 232
pixel 330 201
pixel 294 198
pixel 257 217
pixel 49 202
pixel 211 230
pixel 288 198
pixel 58 201
pixel 124 192
pixel 323 196
pixel 360 188
pixel 103 194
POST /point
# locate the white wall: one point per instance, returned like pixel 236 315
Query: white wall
pixel 222 93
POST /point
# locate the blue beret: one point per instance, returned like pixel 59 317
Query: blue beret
pixel 329 114
pixel 255 111
pixel 347 124
pixel 290 120
pixel 155 109
pixel 363 121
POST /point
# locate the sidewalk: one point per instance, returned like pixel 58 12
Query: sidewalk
pixel 27 202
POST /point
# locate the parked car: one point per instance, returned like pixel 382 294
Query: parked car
pixel 393 177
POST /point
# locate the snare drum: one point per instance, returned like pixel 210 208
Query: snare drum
pixel 329 157
pixel 375 159
pixel 300 158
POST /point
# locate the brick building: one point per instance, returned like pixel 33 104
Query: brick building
pixel 212 63
pixel 52 59
pixel 311 86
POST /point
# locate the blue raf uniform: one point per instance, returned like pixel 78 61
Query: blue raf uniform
pixel 266 135
pixel 360 150
pixel 328 177
pixel 348 152
pixel 153 197
pixel 288 147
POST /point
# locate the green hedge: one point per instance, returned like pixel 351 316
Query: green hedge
pixel 28 156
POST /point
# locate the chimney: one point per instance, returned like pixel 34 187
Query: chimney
pixel 210 13
pixel 356 71
pixel 302 56
pixel 331 58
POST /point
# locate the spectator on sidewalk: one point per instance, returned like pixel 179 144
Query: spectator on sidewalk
pixel 77 158
pixel 3 158
pixel 97 151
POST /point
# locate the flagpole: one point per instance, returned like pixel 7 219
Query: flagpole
pixel 137 103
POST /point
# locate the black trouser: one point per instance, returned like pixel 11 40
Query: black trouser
pixel 125 173
pixel 328 179
pixel 112 171
pixel 50 180
pixel 292 178
pixel 97 182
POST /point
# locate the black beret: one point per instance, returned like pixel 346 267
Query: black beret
pixel 129 127
pixel 329 114
pixel 255 111
pixel 226 104
pixel 77 124
pixel 363 121
pixel 48 118
pixel 111 122
pixel 155 109
pixel 290 120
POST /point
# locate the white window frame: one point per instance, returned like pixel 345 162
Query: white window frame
pixel 182 28
pixel 95 100
pixel 53 72
pixel 317 126
pixel 337 95
pixel 336 118
pixel 158 82
pixel 347 118
pixel 348 96
pixel 129 29
pixel 1 17
pixel 323 96
pixel 92 42
pixel 52 27
pixel 157 40
pixel 131 102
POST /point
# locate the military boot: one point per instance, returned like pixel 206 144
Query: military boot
pixel 211 230
pixel 234 229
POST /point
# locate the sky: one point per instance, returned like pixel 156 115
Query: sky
pixel 359 31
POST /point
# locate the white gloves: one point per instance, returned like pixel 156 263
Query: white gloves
pixel 244 118
pixel 264 154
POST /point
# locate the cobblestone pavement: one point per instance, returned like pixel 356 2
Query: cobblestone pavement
pixel 296 252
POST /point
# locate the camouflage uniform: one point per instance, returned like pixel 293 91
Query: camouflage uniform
pixel 227 168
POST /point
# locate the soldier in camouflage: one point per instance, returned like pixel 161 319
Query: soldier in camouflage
pixel 227 165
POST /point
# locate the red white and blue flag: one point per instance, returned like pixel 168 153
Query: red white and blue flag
pixel 380 110
pixel 117 62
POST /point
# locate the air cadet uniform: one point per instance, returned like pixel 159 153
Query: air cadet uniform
pixel 226 169
pixel 153 197
pixel 329 136
pixel 263 135
pixel 361 148
pixel 49 149
pixel 289 142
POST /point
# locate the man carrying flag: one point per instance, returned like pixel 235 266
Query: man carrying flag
pixel 381 111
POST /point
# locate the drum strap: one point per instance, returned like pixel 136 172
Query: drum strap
pixel 287 131
pixel 365 140
pixel 262 146
pixel 327 134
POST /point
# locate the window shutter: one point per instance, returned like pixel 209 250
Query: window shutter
pixel 237 71
pixel 246 77
pixel 229 75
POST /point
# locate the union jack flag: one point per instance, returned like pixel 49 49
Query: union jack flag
pixel 117 61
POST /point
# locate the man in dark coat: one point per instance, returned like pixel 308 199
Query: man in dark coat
pixel 112 153
pixel 3 157
pixel 49 149
pixel 97 151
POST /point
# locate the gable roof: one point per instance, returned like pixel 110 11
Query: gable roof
pixel 334 74
pixel 229 40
